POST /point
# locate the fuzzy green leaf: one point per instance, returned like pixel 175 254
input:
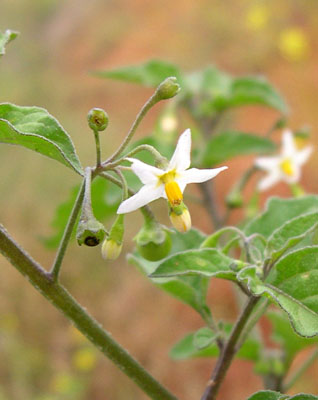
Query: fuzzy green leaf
pixel 293 285
pixel 35 129
pixel 227 145
pixel 204 262
pixel 279 211
pixel 291 233
pixel 6 38
pixel 268 395
pixel 286 336
pixel 151 73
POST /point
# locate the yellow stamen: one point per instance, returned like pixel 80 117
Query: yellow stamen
pixel 287 167
pixel 173 193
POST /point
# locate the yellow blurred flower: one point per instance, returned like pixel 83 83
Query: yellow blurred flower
pixel 293 44
pixel 62 383
pixel 257 17
pixel 85 359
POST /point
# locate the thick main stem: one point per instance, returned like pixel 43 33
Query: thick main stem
pixel 64 302
pixel 229 350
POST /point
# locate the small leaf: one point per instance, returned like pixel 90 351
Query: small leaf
pixel 203 338
pixel 151 73
pixel 227 145
pixel 291 233
pixel 205 262
pixel 188 346
pixel 6 38
pixel 293 285
pixel 35 129
pixel 278 211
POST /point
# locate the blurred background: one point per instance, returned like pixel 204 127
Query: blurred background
pixel 42 357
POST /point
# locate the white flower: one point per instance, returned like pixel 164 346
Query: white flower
pixel 168 183
pixel 286 166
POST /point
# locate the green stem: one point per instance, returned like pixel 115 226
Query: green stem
pixel 157 156
pixel 64 302
pixel 313 356
pixel 123 183
pixel 147 106
pixel 55 270
pixel 229 350
pixel 98 150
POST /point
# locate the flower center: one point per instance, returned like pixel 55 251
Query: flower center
pixel 287 167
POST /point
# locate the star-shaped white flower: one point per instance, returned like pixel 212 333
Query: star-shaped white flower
pixel 285 166
pixel 168 183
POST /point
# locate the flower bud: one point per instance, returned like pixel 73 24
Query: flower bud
pixel 114 242
pixel 97 119
pixel 234 199
pixel 90 232
pixel 153 241
pixel 168 88
pixel 180 217
pixel 111 249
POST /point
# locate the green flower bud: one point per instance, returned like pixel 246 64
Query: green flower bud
pixel 113 244
pixel 97 119
pixel 153 241
pixel 168 88
pixel 234 199
pixel 180 217
pixel 90 232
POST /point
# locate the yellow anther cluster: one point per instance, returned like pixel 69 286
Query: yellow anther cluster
pixel 287 167
pixel 173 193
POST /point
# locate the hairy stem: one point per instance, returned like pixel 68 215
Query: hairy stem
pixel 64 302
pixel 147 106
pixel 229 350
pixel 55 270
pixel 98 150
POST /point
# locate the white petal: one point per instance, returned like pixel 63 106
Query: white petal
pixel 288 144
pixel 267 163
pixel 181 157
pixel 268 181
pixel 145 172
pixel 302 156
pixel 145 195
pixel 194 175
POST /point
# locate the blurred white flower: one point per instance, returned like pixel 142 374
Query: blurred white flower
pixel 170 182
pixel 285 166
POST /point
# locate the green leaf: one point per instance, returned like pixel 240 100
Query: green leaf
pixel 196 344
pixel 189 289
pixel 6 38
pixel 221 91
pixel 291 233
pixel 227 145
pixel 105 199
pixel 284 335
pixel 279 211
pixel 35 129
pixel 204 262
pixel 268 395
pixel 151 73
pixel 255 90
pixel 293 285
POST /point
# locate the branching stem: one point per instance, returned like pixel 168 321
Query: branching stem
pixel 64 302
